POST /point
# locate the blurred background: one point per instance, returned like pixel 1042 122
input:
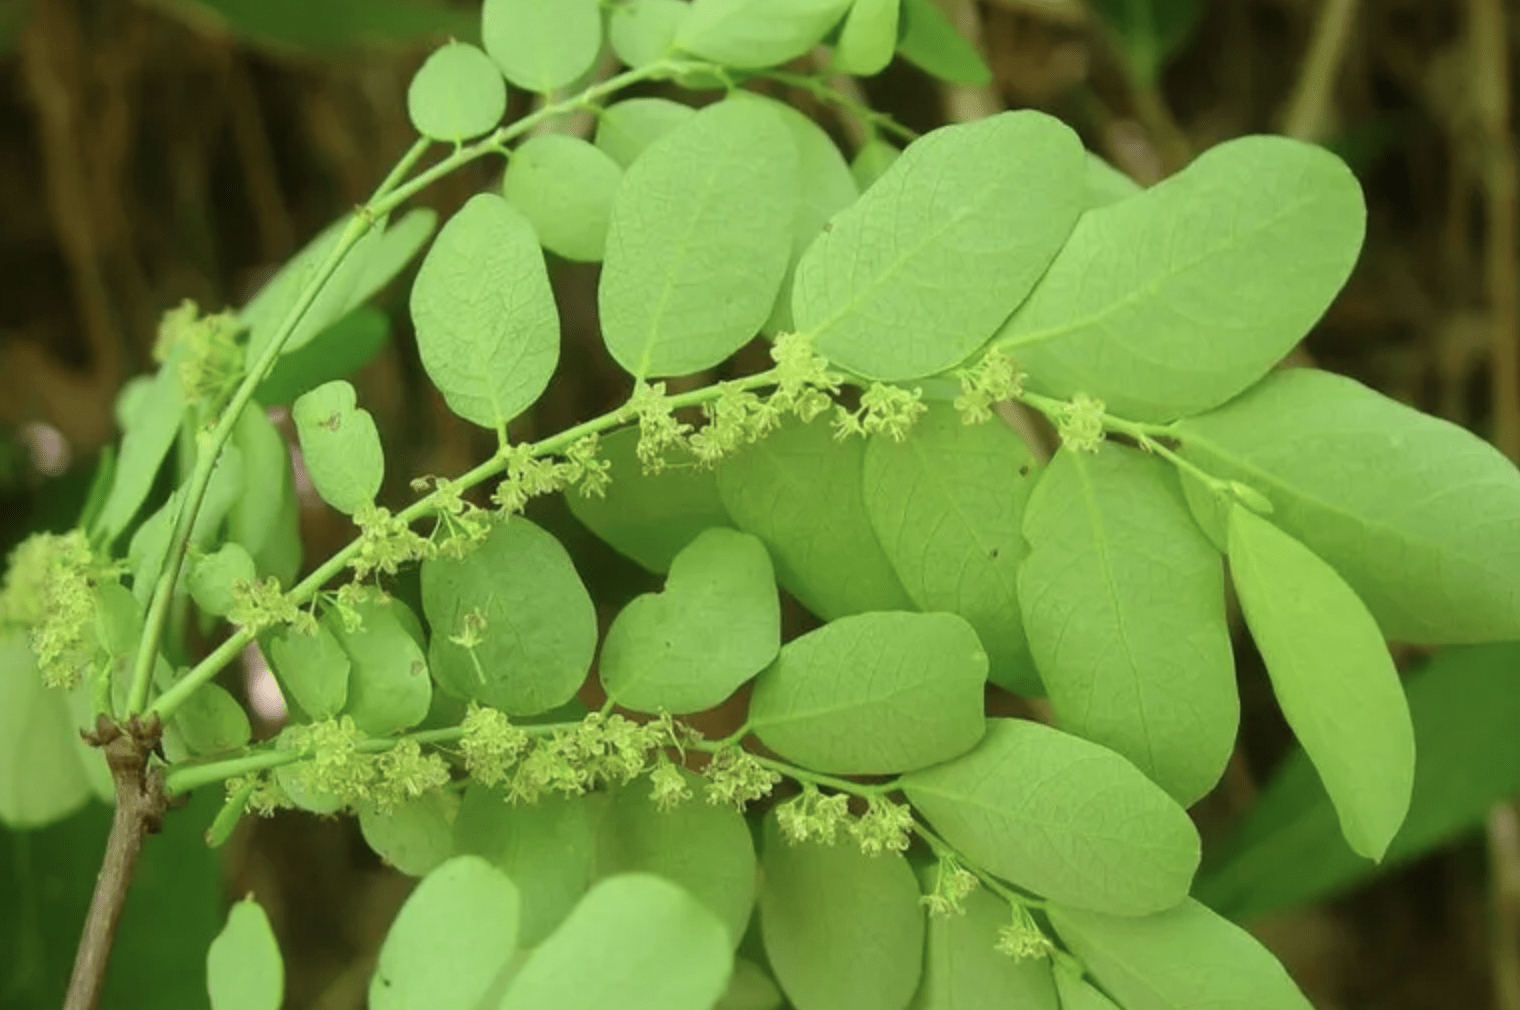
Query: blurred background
pixel 159 150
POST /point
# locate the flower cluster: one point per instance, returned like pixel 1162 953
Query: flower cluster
pixel 952 883
pixel 812 815
pixel 597 750
pixel 1081 423
pixel 260 604
pixel 461 524
pixel 528 476
pixel 210 357
pixel 669 788
pixel 884 827
pixel 884 410
pixel 50 589
pixel 491 744
pixel 336 764
pixel 992 380
pixel 736 778
pixel 266 796
pixel 386 542
pixel 1023 938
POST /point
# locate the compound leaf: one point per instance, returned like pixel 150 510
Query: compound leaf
pixel 920 271
pixel 539 630
pixel 963 970
pixel 716 625
pixel 456 95
pixel 869 37
pixel 1332 675
pixel 874 694
pixel 487 325
pixel 756 33
pixel 657 948
pixel 244 970
pixel 456 933
pixel 388 684
pixel 706 849
pixel 1173 301
pixel 931 43
pixel 311 669
pixel 649 517
pixel 1183 957
pixel 625 129
pixel 1063 818
pixel 1420 517
pixel 564 187
pixel 340 446
pixel 414 837
pixel 699 240
pixel 799 491
pixel 947 505
pixel 541 45
pixel 1123 602
pixel 547 847
pixel 843 930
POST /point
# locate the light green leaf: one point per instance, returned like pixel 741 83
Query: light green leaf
pixel 1148 31
pixel 1420 517
pixel 869 37
pixel 699 240
pixel 266 311
pixel 1332 675
pixel 947 506
pixel 825 186
pixel 649 517
pixel 963 970
pixel 716 625
pixel 342 349
pixel 1247 246
pixel 657 948
pixel 415 837
pixel 456 95
pixel 456 933
pixel 150 427
pixel 1077 994
pixel 874 694
pixel 931 43
pixel 872 161
pixel 210 721
pixel 919 272
pixel 487 325
pixel 150 542
pixel 799 491
pixel 1123 602
pixel 1063 818
pixel 749 988
pixel 706 849
pixel 292 778
pixel 756 33
pixel 843 930
pixel 212 578
pixel 244 970
pixel 540 626
pixel 254 521
pixel 312 670
pixel 547 846
pixel 644 31
pixel 1184 957
pixel 564 187
pixel 340 446
pixel 388 684
pixel 41 777
pixel 1106 184
pixel 542 45
pixel 625 129
pixel 1288 851
pixel 390 254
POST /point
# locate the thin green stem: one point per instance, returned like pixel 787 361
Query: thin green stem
pixel 820 89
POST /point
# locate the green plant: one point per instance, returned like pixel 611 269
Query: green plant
pixel 912 851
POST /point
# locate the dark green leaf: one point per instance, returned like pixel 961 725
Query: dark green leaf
pixel 257 518
pixel 338 351
pixel 756 33
pixel 150 427
pixel 542 45
pixel 312 669
pixel 919 272
pixel 210 722
pixel 244 970
pixel 564 187
pixel 340 446
pixel 456 95
pixel 1077 994
pixel 931 43
pixel 869 37
pixel 540 626
pixel 1063 818
pixel 267 310
pixel 749 988
pixel 212 578
pixel 1149 31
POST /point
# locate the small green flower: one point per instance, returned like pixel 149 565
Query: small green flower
pixel 386 542
pixel 1023 938
pixel 813 815
pixel 1081 424
pixel 404 773
pixel 992 380
pixel 952 883
pixel 885 827
pixel 669 788
pixel 659 430
pixel 491 744
pixel 262 604
pixel 884 410
pixel 735 777
pixel 50 589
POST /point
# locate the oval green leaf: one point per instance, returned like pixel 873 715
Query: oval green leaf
pixel 41 777
pixel 947 505
pixel 541 45
pixel 211 722
pixel 1420 517
pixel 931 43
pixel 699 241
pixel 716 625
pixel 388 684
pixel 756 33
pixel 705 849
pixel 1077 994
pixel 919 272
pixel 340 446
pixel 869 37
pixel 312 670
pixel 799 491
pixel 872 161
pixel 1123 602
pixel 625 129
pixel 456 933
pixel 1248 246
pixel 1063 818
pixel 1184 957
pixel 874 694
pixel 416 836
pixel 644 31
pixel 750 988
pixel 456 95
pixel 964 970
pixel 244 970
pixel 267 310
pixel 213 576
pixel 260 518
pixel 1332 675
pixel 564 187
pixel 843 930
pixel 487 325
pixel 149 428
pixel 540 625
